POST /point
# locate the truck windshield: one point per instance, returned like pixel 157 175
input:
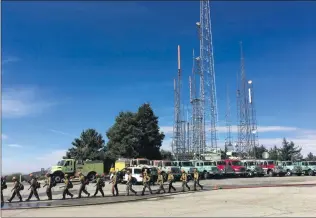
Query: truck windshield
pixel 143 162
pixel 312 163
pixel 167 164
pixel 236 163
pixel 209 164
pixel 221 163
pixel 137 171
pixel 250 163
pixel 61 163
pixel 187 164
pixel 288 163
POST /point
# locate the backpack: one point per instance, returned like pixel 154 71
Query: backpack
pixel 38 185
pixel 54 183
pixel 21 187
pixel 70 185
pixel 102 183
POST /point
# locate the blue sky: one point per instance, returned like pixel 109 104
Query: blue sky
pixel 68 66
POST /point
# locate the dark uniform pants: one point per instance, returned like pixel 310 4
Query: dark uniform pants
pixel 49 193
pixel 197 182
pixel 185 184
pixel 129 187
pixel 115 189
pixel 2 199
pixel 33 191
pixel 66 192
pixel 83 189
pixel 98 188
pixel 146 185
pixel 161 188
pixel 16 192
pixel 171 187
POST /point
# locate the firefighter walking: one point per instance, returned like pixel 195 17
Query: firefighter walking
pixel 184 179
pixel 160 183
pixel 196 177
pixel 17 187
pixel 83 183
pixel 170 181
pixel 146 184
pixel 129 184
pixel 34 186
pixel 99 185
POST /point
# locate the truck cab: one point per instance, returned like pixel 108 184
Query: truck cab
pixel 271 168
pixel 206 169
pixel 140 161
pixel 309 167
pixel 231 167
pixel 290 167
pixel 72 167
pixel 165 166
pixel 252 168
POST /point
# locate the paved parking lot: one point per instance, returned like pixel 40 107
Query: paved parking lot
pixel 259 202
pixel 57 191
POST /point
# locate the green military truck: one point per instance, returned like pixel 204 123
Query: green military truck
pixel 291 168
pixel 72 166
pixel 308 167
pixel 252 168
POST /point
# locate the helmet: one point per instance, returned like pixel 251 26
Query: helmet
pixel 66 175
pixel 31 175
pixel 14 178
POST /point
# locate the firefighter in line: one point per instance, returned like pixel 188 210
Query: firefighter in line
pixel 68 185
pixel 146 182
pixel 49 185
pixel 99 185
pixel 34 186
pixel 17 187
pixel 184 179
pixel 83 184
pixel 196 178
pixel 170 181
pixel 160 183
pixel 129 184
pixel 3 186
pixel 114 181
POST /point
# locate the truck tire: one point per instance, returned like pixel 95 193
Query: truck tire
pixel 288 173
pixel 310 172
pixel 91 176
pixel 58 177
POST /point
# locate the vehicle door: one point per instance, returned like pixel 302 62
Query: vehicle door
pixel 228 167
pixel 69 167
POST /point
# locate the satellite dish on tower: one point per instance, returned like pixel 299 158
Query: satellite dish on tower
pixel 265 155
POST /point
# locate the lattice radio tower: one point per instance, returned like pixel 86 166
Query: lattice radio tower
pixel 198 145
pixel 179 128
pixel 228 140
pixel 253 142
pixel 244 128
pixel 207 76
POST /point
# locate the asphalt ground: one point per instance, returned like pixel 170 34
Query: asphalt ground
pixel 258 202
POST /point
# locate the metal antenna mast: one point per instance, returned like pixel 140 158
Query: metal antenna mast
pixel 244 131
pixel 177 128
pixel 197 126
pixel 207 75
pixel 228 141
pixel 253 120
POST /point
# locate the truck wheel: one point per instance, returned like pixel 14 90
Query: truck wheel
pixel 310 173
pixel 91 176
pixel 288 173
pixel 58 178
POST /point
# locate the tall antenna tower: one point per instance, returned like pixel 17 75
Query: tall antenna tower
pixel 197 126
pixel 177 128
pixel 253 119
pixel 244 130
pixel 207 76
pixel 228 140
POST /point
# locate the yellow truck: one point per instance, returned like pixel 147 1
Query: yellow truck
pixel 122 163
pixel 72 167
